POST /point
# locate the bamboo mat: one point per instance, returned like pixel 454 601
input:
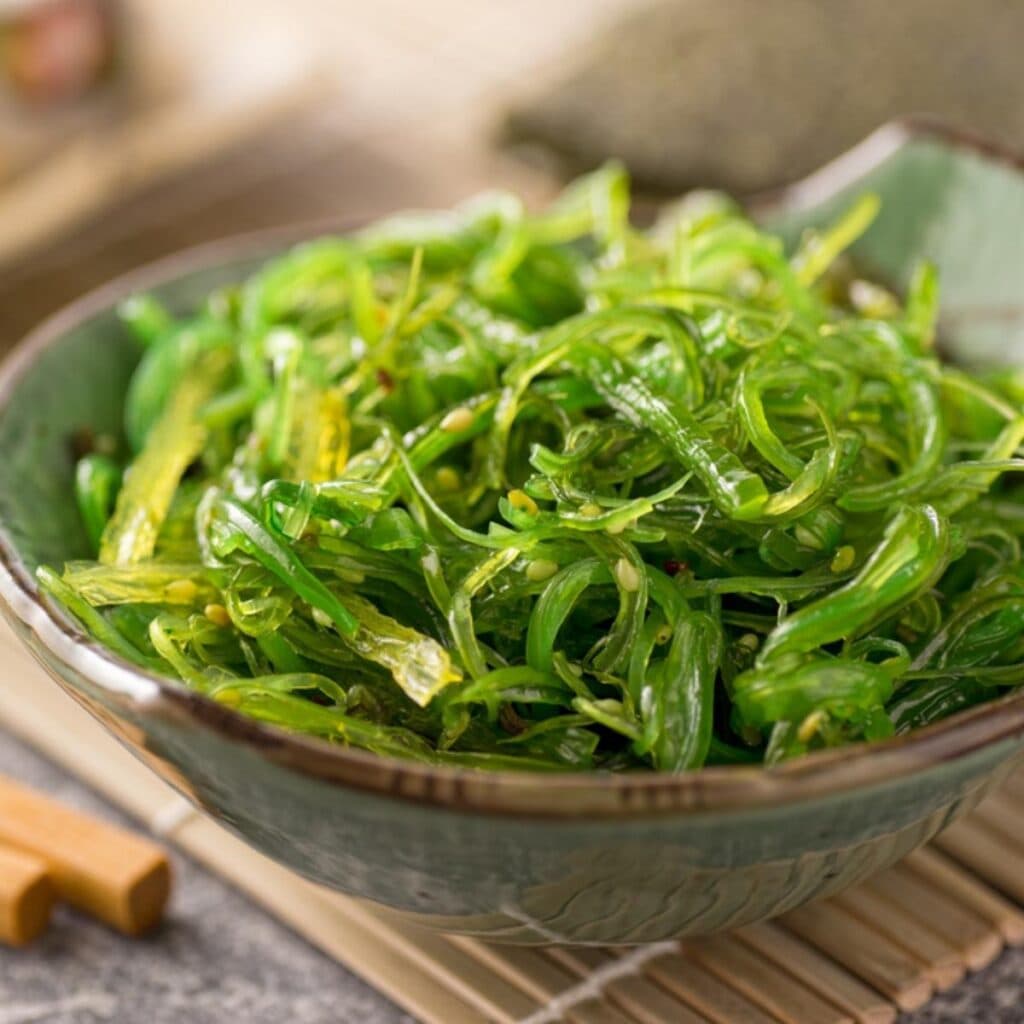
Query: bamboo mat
pixel 864 956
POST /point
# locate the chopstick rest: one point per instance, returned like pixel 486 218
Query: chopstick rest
pixel 26 896
pixel 114 875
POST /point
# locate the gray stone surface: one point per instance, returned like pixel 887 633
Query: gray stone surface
pixel 995 996
pixel 220 960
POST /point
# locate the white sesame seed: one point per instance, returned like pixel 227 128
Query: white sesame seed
pixel 843 559
pixel 627 575
pixel 447 479
pixel 541 569
pixel 217 614
pixel 181 591
pixel 457 420
pixel 810 725
pixel 616 528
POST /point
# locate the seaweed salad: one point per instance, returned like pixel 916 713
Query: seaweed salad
pixel 547 491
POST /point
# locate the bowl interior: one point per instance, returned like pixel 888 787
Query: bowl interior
pixel 946 197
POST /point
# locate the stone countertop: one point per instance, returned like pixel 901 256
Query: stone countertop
pixel 220 960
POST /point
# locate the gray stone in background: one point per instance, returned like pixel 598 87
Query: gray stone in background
pixel 216 959
pixel 220 960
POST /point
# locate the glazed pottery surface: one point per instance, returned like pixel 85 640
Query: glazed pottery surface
pixel 516 857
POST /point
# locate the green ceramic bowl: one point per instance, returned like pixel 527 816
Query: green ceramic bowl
pixel 520 857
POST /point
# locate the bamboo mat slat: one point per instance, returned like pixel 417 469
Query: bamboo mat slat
pixel 704 992
pixel 985 853
pixel 764 984
pixel 790 954
pixel 858 958
pixel 945 874
pixel 637 996
pixel 935 954
pixel 970 936
pixel 865 951
pixel 526 968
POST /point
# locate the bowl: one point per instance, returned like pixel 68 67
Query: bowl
pixel 517 857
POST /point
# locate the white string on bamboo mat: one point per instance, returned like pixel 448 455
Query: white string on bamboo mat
pixel 166 821
pixel 593 985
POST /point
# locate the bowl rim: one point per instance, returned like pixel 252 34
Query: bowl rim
pixel 592 795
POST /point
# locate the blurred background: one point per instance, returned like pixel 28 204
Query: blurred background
pixel 132 128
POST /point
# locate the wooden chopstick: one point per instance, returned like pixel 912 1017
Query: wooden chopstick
pixel 947 876
pixel 775 991
pixel 818 972
pixel 27 896
pixel 115 875
pixel 863 950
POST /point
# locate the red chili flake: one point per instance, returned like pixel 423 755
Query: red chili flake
pixel 385 380
pixel 674 568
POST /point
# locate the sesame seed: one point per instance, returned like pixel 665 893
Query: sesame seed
pixel 541 569
pixel 620 527
pixel 627 575
pixel 843 559
pixel 590 509
pixel 447 479
pixel 321 618
pixel 181 591
pixel 217 614
pixel 810 725
pixel 457 420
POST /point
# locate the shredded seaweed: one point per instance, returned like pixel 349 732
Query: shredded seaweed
pixel 549 492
